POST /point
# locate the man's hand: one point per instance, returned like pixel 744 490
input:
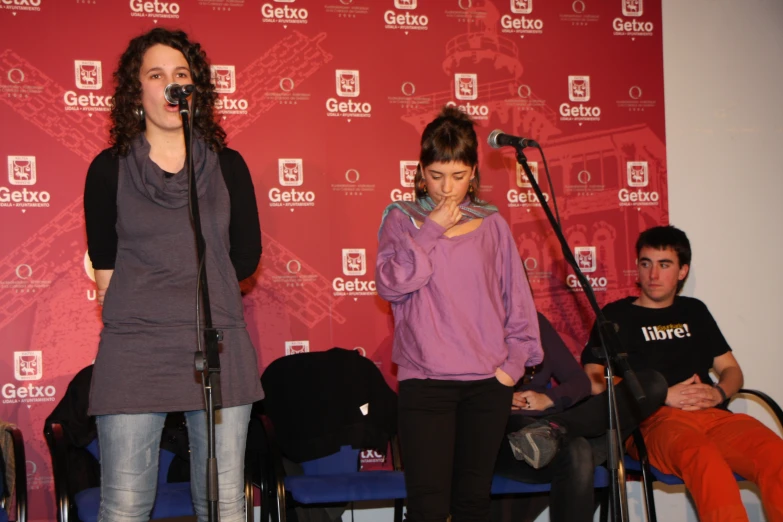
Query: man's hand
pixel 700 396
pixel 675 397
pixel 447 214
pixel 691 395
pixel 530 400
pixel 504 378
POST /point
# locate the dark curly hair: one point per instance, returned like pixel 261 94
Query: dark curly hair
pixel 449 137
pixel 127 93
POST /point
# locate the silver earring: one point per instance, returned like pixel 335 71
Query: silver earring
pixel 139 111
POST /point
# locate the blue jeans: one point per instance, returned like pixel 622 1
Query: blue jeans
pixel 130 445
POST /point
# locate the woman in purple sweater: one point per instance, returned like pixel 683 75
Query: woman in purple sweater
pixel 465 325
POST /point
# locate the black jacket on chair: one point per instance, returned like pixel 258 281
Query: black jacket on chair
pixel 319 401
pixel 80 429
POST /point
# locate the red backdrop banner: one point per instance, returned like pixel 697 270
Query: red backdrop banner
pixel 326 100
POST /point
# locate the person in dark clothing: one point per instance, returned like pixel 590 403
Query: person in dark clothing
pixel 564 434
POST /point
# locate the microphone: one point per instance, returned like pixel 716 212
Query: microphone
pixel 498 139
pixel 175 92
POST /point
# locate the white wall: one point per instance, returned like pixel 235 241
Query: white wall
pixel 724 124
pixel 723 63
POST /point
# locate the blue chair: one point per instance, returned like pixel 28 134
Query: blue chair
pixel 20 477
pixel 507 486
pixel 316 404
pixel 75 502
pixel 73 446
pixel 172 500
pixel 333 479
pixel 649 473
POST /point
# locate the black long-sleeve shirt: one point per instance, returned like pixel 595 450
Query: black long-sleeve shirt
pixel 101 212
pixel 559 364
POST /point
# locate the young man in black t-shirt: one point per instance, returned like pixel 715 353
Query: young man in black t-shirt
pixel 693 436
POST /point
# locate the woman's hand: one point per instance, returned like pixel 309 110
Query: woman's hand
pixel 504 378
pixel 530 400
pixel 102 280
pixel 446 213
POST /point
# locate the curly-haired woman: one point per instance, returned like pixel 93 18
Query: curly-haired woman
pixel 141 244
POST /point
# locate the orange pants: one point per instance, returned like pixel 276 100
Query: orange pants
pixel 704 447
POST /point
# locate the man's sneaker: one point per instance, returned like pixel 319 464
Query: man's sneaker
pixel 537 444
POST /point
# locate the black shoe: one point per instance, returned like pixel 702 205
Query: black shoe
pixel 537 444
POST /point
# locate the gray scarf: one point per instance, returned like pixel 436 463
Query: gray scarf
pixel 169 191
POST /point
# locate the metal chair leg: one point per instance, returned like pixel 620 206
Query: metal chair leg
pixel 398 503
pixel 647 489
pixel 603 504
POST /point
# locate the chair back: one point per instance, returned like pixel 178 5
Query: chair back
pixel 13 458
pixel 320 401
pixel 321 409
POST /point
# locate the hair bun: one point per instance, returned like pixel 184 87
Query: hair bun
pixel 455 115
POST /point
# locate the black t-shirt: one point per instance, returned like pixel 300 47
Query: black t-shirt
pixel 677 341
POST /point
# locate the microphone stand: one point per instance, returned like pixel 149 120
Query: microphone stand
pixel 612 353
pixel 206 361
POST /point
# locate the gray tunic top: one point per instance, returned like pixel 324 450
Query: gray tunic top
pixel 145 358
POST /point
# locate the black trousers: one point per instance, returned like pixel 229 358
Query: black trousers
pixel 590 417
pixel 450 434
pixel 571 498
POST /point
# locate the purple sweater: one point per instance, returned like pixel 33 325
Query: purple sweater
pixel 462 305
